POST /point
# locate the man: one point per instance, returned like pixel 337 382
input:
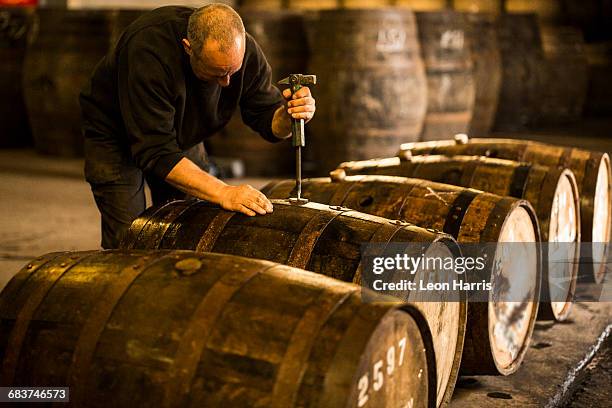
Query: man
pixel 175 77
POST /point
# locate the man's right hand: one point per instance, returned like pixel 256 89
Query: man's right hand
pixel 191 179
pixel 244 199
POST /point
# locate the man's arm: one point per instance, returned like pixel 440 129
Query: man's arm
pixel 190 178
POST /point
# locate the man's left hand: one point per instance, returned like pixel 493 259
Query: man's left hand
pixel 301 105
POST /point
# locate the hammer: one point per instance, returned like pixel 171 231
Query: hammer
pixel 296 81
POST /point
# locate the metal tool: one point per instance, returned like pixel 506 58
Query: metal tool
pixel 296 81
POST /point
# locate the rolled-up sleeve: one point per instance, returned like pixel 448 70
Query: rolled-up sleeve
pixel 146 93
pixel 260 99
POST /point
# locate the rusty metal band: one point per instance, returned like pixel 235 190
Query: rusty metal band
pixel 307 240
pixel 454 217
pixel 269 188
pixel 342 191
pixel 132 235
pixel 565 158
pixel 519 179
pixel 25 315
pixel 496 219
pixel 291 370
pixel 15 285
pixel 194 339
pixel 383 235
pixel 215 228
pixel 348 353
pixel 95 324
pixel 154 232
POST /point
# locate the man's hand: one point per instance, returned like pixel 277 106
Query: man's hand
pixel 301 105
pixel 191 179
pixel 245 199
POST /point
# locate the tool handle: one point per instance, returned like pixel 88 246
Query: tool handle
pixel 297 125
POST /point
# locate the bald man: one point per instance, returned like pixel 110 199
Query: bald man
pixel 175 77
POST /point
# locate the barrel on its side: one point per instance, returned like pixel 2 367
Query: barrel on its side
pixel 593 176
pixel 64 48
pixel 319 238
pixel 498 333
pixel 522 75
pixel 176 328
pixel 371 89
pixel 282 37
pixel 486 59
pixel 552 192
pixel 446 49
pixel 15 22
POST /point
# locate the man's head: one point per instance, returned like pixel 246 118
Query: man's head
pixel 215 43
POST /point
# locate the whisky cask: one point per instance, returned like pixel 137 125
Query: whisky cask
pixel 552 192
pixel 593 176
pixel 494 343
pixel 176 328
pixel 319 238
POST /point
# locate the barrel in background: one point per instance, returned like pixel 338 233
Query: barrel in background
pixel 15 22
pixel 64 48
pixel 282 37
pixel 446 52
pixel 566 76
pixel 486 59
pixel 593 177
pixel 522 75
pixel 371 88
pixel 497 333
pixel 179 328
pixel 552 192
pixel 599 94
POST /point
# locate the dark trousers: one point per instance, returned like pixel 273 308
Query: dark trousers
pixel 118 188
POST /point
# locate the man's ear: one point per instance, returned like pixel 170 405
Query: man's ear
pixel 186 46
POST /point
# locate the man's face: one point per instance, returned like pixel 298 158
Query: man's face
pixel 212 64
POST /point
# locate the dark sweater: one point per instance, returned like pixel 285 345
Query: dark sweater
pixel 144 99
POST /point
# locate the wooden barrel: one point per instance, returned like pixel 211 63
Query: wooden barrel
pixel 494 344
pixel 599 94
pixel 176 328
pixel 446 52
pixel 14 25
pixel 316 237
pixel 313 4
pixel 547 11
pixel 566 77
pixel 478 6
pixel 522 75
pixel 423 5
pixel 487 71
pixel 593 177
pixel 64 48
pixel 371 89
pixel 552 192
pixel 282 37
